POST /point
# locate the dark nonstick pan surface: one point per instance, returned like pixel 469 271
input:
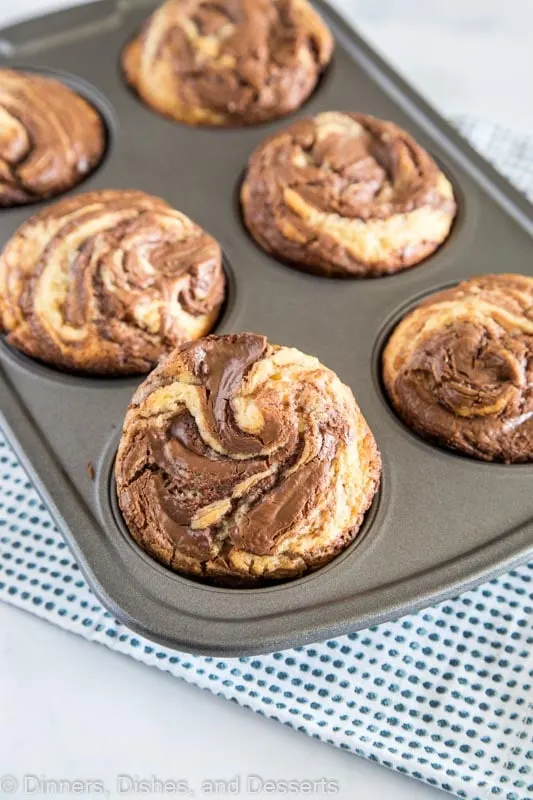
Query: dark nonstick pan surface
pixel 441 523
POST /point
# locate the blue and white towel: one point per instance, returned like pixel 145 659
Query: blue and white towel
pixel 444 695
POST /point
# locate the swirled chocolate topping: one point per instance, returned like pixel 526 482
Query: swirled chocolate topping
pixel 50 137
pixel 233 62
pixel 459 368
pixel 109 281
pixel 243 459
pixel 346 194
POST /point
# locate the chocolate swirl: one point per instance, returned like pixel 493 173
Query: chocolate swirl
pixel 346 195
pixel 245 460
pixel 106 282
pixel 233 62
pixel 50 138
pixel 459 368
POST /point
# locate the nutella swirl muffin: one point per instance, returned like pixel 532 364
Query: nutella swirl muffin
pixel 346 195
pixel 50 138
pixel 233 62
pixel 459 368
pixel 107 282
pixel 243 460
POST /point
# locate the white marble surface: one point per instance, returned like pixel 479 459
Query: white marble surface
pixel 71 709
pixel 465 56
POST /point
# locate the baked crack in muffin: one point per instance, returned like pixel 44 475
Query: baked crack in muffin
pixel 241 460
pixel 50 138
pixel 346 195
pixel 459 368
pixel 233 62
pixel 107 282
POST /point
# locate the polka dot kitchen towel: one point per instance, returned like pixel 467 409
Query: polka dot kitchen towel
pixel 443 695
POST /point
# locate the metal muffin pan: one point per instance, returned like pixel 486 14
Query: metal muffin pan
pixel 441 522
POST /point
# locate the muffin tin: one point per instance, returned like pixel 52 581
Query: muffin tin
pixel 441 522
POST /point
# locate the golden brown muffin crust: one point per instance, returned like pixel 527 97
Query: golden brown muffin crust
pixel 348 195
pixel 233 62
pixel 459 368
pixel 50 137
pixel 107 282
pixel 245 460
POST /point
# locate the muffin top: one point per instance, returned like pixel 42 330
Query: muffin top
pixel 459 368
pixel 107 282
pixel 50 137
pixel 233 62
pixel 245 460
pixel 346 195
